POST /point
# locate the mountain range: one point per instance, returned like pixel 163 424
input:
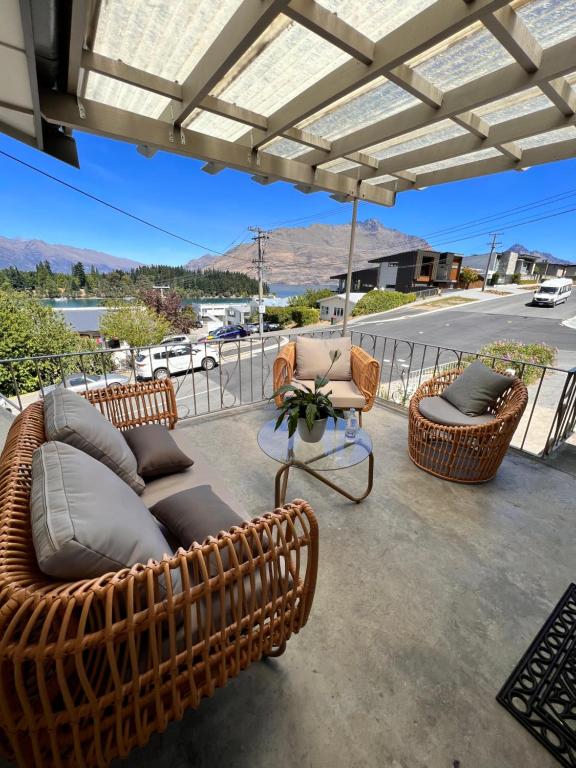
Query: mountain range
pixel 25 254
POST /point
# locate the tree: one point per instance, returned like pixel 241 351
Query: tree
pixel 467 276
pixel 310 297
pixel 29 328
pixel 169 306
pixel 79 273
pixel 135 324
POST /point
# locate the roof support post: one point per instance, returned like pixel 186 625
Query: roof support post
pixel 350 257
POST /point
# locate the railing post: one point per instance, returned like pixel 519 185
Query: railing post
pixel 565 417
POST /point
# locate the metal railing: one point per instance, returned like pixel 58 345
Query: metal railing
pixel 244 376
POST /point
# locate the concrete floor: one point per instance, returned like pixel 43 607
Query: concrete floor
pixel 428 594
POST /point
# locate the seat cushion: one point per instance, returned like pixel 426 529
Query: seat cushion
pixel 70 419
pixel 201 473
pixel 313 358
pixel 155 450
pixel 440 411
pixel 476 389
pixel 86 521
pixel 345 394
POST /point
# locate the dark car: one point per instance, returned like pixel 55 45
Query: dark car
pixel 266 327
pixel 226 333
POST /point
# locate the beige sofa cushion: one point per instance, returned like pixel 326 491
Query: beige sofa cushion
pixel 201 473
pixel 71 419
pixel 345 394
pixel 86 521
pixel 313 358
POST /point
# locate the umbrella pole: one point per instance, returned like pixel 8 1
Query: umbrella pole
pixel 350 256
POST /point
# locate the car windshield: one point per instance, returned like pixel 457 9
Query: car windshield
pixel 547 289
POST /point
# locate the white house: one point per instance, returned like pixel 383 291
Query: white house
pixel 332 308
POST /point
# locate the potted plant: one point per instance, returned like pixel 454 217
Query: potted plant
pixel 307 409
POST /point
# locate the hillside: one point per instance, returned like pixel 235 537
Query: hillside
pixel 309 255
pixel 25 254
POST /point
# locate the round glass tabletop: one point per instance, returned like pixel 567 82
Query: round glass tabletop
pixel 334 451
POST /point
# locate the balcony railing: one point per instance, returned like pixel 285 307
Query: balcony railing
pixel 244 376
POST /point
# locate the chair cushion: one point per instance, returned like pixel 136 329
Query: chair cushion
pixel 476 389
pixel 313 358
pixel 86 521
pixel 440 411
pixel 201 473
pixel 195 514
pixel 155 450
pixel 345 394
pixel 71 419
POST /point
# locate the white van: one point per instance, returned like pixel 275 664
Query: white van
pixel 552 292
pixel 162 362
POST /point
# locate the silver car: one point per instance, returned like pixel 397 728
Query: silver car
pixel 80 382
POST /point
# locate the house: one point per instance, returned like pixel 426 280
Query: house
pixel 407 271
pixel 332 308
pixel 510 263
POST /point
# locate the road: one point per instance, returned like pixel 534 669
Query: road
pixel 246 371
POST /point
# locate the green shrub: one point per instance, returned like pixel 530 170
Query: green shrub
pixel 280 315
pixel 513 352
pixel 310 297
pixel 516 278
pixel 380 301
pixel 305 315
pixel 494 279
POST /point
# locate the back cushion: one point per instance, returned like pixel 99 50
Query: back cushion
pixel 313 358
pixel 71 419
pixel 86 521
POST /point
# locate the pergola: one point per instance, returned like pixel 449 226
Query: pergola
pixel 359 98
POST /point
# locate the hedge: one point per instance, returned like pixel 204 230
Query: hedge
pixel 380 301
pixel 516 351
pixel 297 315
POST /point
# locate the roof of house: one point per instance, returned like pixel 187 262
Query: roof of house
pixel 377 98
pixel 354 298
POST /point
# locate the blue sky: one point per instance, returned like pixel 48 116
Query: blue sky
pixel 172 192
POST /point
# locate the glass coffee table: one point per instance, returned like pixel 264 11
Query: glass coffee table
pixel 333 452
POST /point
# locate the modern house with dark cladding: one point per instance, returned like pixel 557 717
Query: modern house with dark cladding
pixel 408 271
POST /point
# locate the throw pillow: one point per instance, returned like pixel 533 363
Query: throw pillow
pixel 156 451
pixel 476 389
pixel 86 521
pixel 313 358
pixel 71 419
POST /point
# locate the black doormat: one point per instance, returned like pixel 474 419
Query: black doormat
pixel 541 691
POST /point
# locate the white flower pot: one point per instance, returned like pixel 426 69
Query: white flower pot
pixel 312 435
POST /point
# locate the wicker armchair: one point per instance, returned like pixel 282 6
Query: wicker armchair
pixel 365 372
pixel 463 454
pixel 89 670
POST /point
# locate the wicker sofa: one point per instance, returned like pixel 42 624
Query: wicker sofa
pixel 89 670
pixel 464 454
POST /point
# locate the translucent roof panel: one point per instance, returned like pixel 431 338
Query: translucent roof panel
pixel 518 105
pixel 290 63
pixel 165 38
pixel 550 21
pixel 383 101
pixel 424 137
pixel 471 157
pixel 286 148
pixel 562 134
pixel 215 125
pixel 384 179
pixel 339 166
pixel 124 96
pixel 376 18
pixel 463 59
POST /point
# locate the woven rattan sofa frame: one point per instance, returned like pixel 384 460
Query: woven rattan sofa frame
pixel 89 670
pixel 463 454
pixel 365 372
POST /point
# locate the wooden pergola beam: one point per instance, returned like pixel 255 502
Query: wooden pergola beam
pixel 330 27
pixel 511 32
pixel 413 82
pixel 78 24
pixel 560 93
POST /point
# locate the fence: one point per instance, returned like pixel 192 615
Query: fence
pixel 244 376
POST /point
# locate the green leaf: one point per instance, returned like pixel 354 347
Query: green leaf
pixel 292 422
pixel 311 414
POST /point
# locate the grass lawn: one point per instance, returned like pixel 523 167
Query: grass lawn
pixel 449 301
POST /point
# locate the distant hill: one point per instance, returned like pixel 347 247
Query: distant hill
pixel 25 254
pixel 478 260
pixel 309 255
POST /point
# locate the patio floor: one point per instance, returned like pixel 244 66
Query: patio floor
pixel 428 594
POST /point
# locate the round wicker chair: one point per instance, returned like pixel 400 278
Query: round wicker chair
pixel 463 454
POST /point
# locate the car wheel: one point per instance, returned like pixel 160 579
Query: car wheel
pixel 208 363
pixel 160 374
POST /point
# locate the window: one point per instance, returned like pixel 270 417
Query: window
pixel 338 312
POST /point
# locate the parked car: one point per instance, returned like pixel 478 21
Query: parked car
pixel 178 338
pixel 80 382
pixel 226 333
pixel 266 327
pixel 162 362
pixel 552 292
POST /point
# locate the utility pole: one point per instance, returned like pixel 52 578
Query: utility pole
pixel 259 238
pixel 349 270
pixel 493 246
pixel 161 288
